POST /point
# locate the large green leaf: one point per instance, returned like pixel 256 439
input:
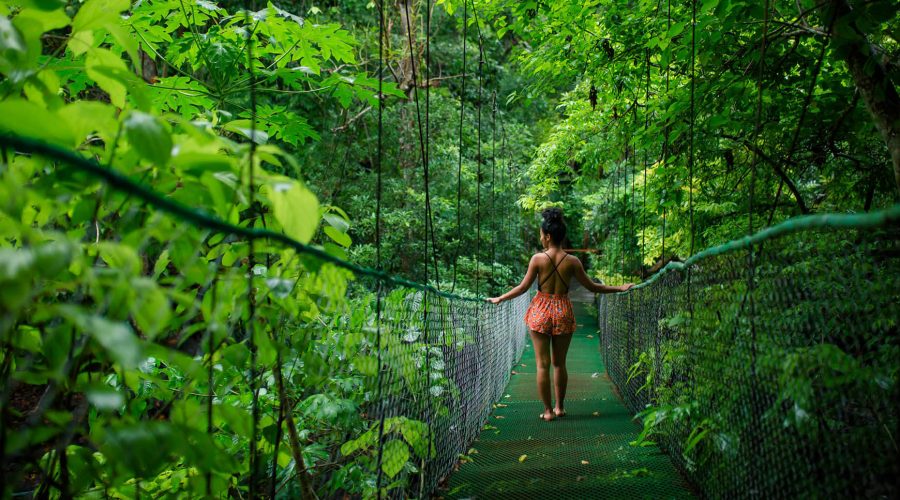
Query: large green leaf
pixel 394 457
pixel 30 120
pixel 95 14
pixel 109 72
pixel 116 338
pixel 149 136
pixel 151 308
pixel 295 207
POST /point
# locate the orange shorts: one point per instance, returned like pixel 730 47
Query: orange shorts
pixel 551 314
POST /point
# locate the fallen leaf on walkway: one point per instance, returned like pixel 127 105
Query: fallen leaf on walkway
pixel 595 375
pixel 580 478
pixel 584 462
pixel 507 396
pixel 522 458
pixel 596 414
pixel 523 364
pixel 501 405
pixel 590 336
pixel 499 416
pixel 514 372
pixel 472 451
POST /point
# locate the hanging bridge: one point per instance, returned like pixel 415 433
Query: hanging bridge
pixel 765 367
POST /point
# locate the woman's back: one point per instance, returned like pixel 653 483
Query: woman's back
pixel 555 271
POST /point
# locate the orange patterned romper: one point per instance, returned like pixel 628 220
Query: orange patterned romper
pixel 551 313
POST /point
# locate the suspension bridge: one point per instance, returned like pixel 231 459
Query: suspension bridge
pixel 762 368
pixel 736 371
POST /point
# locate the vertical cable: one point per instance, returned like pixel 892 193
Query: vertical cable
pixel 429 214
pixel 422 140
pixel 646 159
pixel 251 263
pixel 665 154
pixel 380 283
pixel 478 175
pixel 493 184
pixel 633 231
pixel 462 110
pixel 693 118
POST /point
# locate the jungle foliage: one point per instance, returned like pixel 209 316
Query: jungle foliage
pixel 240 367
pixel 657 147
pixel 142 354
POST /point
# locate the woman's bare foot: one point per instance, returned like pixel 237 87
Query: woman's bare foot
pixel 559 412
pixel 547 416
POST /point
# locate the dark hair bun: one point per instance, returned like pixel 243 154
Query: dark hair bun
pixel 553 224
pixel 552 214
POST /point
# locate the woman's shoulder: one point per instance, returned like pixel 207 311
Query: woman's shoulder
pixel 573 259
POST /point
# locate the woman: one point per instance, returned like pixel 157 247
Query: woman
pixel 550 317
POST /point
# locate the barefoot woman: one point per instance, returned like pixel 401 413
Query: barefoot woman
pixel 550 317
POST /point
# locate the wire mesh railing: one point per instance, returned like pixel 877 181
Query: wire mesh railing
pixel 768 367
pixel 151 349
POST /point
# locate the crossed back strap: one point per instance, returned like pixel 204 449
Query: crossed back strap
pixel 555 270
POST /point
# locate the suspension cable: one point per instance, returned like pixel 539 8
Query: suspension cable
pixel 493 185
pixel 478 175
pixel 693 119
pixel 422 142
pixel 379 288
pixel 665 154
pixel 251 263
pixel 462 110
pixel 646 159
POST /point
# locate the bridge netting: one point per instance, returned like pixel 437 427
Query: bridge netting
pixel 205 358
pixel 767 368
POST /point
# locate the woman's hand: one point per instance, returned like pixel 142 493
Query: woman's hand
pixel 627 286
pixel 494 300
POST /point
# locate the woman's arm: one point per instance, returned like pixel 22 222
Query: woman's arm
pixel 521 287
pixel 588 283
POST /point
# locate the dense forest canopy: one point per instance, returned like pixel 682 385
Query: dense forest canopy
pixel 796 104
pixel 659 127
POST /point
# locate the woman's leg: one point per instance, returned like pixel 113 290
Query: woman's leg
pixel 541 344
pixel 560 375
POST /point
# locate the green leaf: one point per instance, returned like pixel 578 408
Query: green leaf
pixel 119 256
pixel 295 207
pixel 151 310
pixel 13 51
pixel 104 397
pixel 415 433
pixel 90 117
pixel 30 120
pixel 394 457
pixel 337 222
pixel 15 277
pixel 367 365
pixel 108 71
pixel 246 129
pixel 95 14
pixel 149 136
pixel 117 339
pixel 339 237
pixel 45 5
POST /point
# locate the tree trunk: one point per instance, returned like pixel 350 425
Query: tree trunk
pixel 875 87
pixel 407 9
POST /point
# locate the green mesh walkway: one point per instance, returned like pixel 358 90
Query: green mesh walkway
pixel 583 455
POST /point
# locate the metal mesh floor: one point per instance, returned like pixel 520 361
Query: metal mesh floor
pixel 582 455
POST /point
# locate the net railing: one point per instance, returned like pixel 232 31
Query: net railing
pixel 150 349
pixel 775 377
